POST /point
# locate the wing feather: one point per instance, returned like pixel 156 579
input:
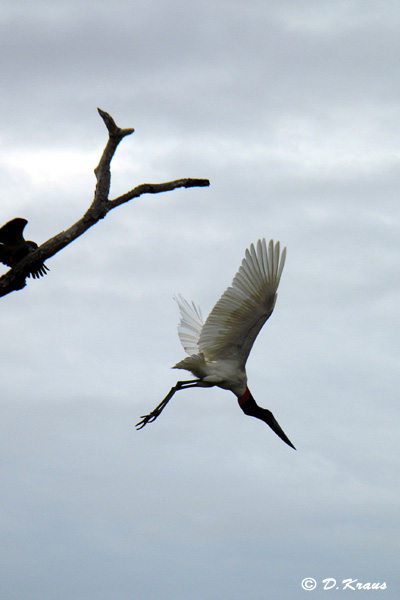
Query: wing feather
pixel 11 232
pixel 190 325
pixel 235 321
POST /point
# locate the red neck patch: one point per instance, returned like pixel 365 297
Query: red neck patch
pixel 242 399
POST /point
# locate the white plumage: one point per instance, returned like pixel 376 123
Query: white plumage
pixel 219 347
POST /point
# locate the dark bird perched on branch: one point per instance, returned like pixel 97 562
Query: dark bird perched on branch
pixel 14 247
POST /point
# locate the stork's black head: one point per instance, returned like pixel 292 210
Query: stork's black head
pixel 251 408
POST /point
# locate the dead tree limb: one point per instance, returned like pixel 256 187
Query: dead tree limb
pixel 15 278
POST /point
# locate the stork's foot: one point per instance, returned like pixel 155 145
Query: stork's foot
pixel 148 418
pixel 158 409
pixel 152 416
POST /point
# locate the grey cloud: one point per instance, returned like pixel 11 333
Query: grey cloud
pixel 291 111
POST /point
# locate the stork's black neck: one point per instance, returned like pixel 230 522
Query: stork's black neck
pixel 245 396
pixel 248 405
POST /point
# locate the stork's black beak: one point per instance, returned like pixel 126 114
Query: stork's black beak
pixel 251 408
pixel 269 418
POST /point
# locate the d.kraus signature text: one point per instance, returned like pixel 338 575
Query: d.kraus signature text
pixel 309 583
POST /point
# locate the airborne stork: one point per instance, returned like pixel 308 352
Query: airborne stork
pixel 219 347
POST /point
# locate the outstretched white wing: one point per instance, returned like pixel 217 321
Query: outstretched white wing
pixel 190 325
pixel 235 321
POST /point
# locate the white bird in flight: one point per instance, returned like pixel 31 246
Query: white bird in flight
pixel 218 348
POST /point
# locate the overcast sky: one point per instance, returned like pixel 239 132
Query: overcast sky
pixel 292 109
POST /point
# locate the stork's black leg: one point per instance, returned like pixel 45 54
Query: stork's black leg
pixel 181 385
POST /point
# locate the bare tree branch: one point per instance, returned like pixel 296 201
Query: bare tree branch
pixel 15 278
